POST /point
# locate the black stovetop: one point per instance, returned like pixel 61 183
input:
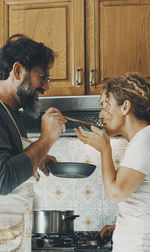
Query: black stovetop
pixel 33 126
pixel 82 241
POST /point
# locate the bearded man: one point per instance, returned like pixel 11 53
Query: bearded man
pixel 24 74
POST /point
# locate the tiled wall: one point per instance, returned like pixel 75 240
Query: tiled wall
pixel 85 196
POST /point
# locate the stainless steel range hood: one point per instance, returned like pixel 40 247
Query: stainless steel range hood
pixel 70 103
pixel 84 108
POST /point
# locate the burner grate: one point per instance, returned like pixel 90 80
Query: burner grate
pixel 87 116
pixel 34 125
pixel 88 241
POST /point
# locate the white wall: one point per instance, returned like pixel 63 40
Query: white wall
pixel 85 196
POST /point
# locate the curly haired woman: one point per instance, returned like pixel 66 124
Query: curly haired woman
pixel 125 110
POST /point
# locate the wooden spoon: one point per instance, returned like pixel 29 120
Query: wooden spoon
pixel 86 124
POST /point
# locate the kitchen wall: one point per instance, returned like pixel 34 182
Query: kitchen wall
pixel 85 196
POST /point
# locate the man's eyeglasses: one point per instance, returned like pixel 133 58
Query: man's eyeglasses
pixel 46 77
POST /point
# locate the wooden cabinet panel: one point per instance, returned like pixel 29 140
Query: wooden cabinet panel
pixel 117 39
pixel 92 47
pixel 124 37
pixel 60 25
pixel 45 27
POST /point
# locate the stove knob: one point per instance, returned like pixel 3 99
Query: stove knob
pixel 40 243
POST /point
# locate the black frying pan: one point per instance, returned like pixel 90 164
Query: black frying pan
pixel 71 169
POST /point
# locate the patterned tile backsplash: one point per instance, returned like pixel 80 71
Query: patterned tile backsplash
pixel 85 196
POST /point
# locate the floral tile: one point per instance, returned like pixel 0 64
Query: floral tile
pixel 90 219
pixel 88 194
pixel 109 216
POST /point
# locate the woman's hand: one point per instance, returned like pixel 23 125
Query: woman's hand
pixel 107 231
pixel 97 138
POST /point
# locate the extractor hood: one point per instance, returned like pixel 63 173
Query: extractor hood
pixel 70 103
pixel 84 108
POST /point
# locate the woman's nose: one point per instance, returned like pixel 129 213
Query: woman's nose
pixel 101 115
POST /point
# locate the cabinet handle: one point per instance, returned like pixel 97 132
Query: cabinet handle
pixel 78 77
pixel 92 77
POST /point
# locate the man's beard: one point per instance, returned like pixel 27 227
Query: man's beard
pixel 28 98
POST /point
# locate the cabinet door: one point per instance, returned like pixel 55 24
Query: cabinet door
pixel 125 36
pixel 121 33
pixel 92 47
pixel 59 25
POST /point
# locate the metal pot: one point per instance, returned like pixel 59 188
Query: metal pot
pixel 53 222
pixel 68 221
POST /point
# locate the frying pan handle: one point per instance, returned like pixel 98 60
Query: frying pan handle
pixel 69 217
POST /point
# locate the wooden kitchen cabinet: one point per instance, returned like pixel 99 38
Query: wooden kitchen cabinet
pixel 60 25
pixel 94 39
pixel 117 39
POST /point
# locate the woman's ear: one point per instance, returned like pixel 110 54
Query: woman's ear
pixel 17 70
pixel 126 107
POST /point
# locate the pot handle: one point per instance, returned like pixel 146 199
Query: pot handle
pixel 69 217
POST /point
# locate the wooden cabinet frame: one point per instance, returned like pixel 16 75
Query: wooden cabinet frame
pixel 66 37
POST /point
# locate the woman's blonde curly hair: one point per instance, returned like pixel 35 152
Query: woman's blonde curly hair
pixel 133 87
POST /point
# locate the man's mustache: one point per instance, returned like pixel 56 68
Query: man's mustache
pixel 41 90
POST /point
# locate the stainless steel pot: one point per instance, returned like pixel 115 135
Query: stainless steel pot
pixel 68 221
pixel 53 222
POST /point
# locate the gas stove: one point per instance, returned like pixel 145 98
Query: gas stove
pixel 81 241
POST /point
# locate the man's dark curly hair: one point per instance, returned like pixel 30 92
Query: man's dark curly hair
pixel 133 87
pixel 29 53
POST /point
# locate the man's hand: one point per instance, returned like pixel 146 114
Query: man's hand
pixel 46 160
pixel 52 124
